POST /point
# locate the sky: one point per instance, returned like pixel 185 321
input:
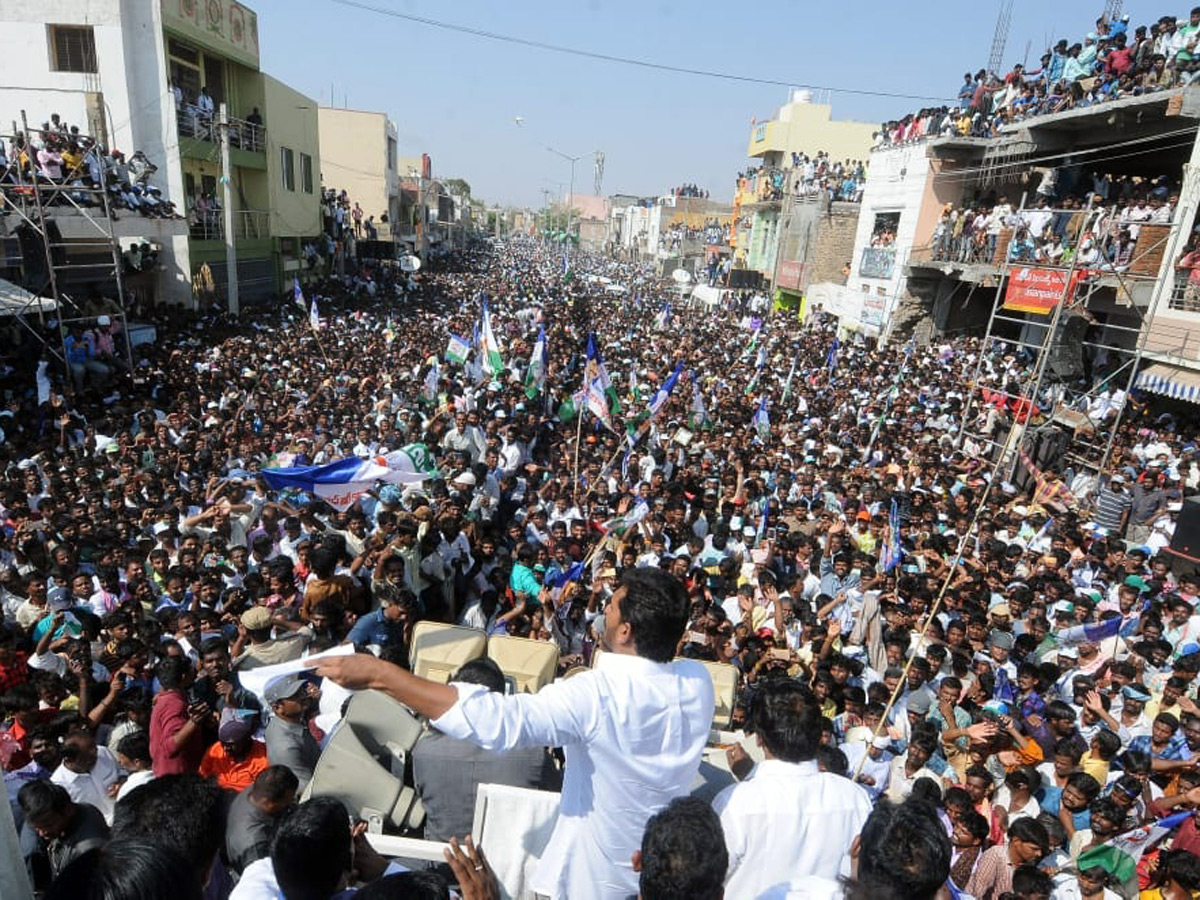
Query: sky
pixel 456 96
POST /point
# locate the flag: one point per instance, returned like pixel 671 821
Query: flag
pixel 475 367
pixel 1095 632
pixel 492 360
pixel 597 403
pixel 890 555
pixel 663 318
pixel 699 413
pixel 566 576
pixel 762 357
pixel 567 410
pixel 787 387
pixel 761 420
pixel 600 372
pixel 660 396
pixel 314 317
pixel 297 294
pixel 43 382
pixel 831 359
pixel 430 386
pixel 762 522
pixel 535 377
pixel 343 481
pixel 1004 689
pixel 621 524
pixel 1119 856
pixel 457 349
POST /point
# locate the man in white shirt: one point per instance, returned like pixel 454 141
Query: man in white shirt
pixel 787 821
pixel 87 771
pixel 633 730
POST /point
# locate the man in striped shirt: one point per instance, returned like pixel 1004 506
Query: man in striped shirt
pixel 1112 505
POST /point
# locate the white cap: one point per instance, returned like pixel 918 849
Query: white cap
pixel 467 478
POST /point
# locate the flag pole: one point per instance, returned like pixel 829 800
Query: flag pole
pixel 578 441
pixel 317 338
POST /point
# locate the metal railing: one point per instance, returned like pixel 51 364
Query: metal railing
pixel 248 225
pixel 243 135
pixel 1185 297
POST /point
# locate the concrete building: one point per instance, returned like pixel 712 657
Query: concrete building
pixel 114 68
pixel 676 231
pixel 360 154
pixel 801 126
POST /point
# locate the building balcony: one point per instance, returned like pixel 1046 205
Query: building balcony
pixel 248 225
pixel 199 137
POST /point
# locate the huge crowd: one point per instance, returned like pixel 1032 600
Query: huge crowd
pixel 947 681
pixel 1111 62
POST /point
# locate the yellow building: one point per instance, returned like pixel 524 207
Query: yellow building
pixel 359 154
pixel 802 126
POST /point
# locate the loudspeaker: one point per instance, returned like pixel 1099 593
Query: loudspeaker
pixel 745 279
pixel 1186 540
pixel 363 762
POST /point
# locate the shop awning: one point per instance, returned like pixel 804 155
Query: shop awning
pixel 1170 381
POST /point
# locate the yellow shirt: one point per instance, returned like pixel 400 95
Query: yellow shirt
pixel 1095 766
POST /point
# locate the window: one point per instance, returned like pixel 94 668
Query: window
pixel 287 161
pixel 306 172
pixel 72 48
pixel 391 153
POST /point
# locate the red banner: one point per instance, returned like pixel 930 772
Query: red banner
pixel 1038 290
pixel 792 275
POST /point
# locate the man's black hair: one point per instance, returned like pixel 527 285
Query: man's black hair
pixel 482 671
pixel 135 746
pixel 172 671
pixel 904 853
pixel 127 869
pixel 406 886
pixel 275 782
pixel 37 798
pixel 656 607
pixel 787 719
pixel 1030 880
pixel 1031 831
pixel 311 849
pixel 683 853
pixel 184 812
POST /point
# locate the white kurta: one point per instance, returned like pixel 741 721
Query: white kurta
pixel 785 822
pixel 632 731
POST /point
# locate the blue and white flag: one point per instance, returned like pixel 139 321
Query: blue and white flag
pixel 314 317
pixel 891 554
pixel 831 359
pixel 761 420
pixel 1094 632
pixel 297 294
pixel 663 318
pixel 663 393
pixel 429 388
pixel 342 482
pixel 568 575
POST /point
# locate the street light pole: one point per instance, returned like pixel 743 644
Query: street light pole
pixel 570 192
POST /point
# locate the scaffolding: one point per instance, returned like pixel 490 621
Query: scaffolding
pixel 1061 394
pixel 39 205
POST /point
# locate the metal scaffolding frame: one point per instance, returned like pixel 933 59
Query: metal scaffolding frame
pixel 35 203
pixel 1080 286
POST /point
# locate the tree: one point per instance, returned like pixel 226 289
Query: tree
pixel 457 186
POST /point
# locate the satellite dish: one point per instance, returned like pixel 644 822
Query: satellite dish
pixel 681 276
pixel 410 263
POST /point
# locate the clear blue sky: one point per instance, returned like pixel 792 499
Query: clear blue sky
pixel 455 96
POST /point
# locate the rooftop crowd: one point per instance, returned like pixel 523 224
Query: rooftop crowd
pixel 1110 62
pixel 925 701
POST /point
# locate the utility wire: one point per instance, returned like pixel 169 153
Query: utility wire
pixel 625 60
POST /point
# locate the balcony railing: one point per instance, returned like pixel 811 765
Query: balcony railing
pixel 248 225
pixel 243 135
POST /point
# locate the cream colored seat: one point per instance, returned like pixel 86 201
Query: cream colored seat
pixel 531 664
pixel 725 679
pixel 439 650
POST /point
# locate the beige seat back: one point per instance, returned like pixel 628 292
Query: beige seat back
pixel 530 663
pixel 725 679
pixel 439 650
